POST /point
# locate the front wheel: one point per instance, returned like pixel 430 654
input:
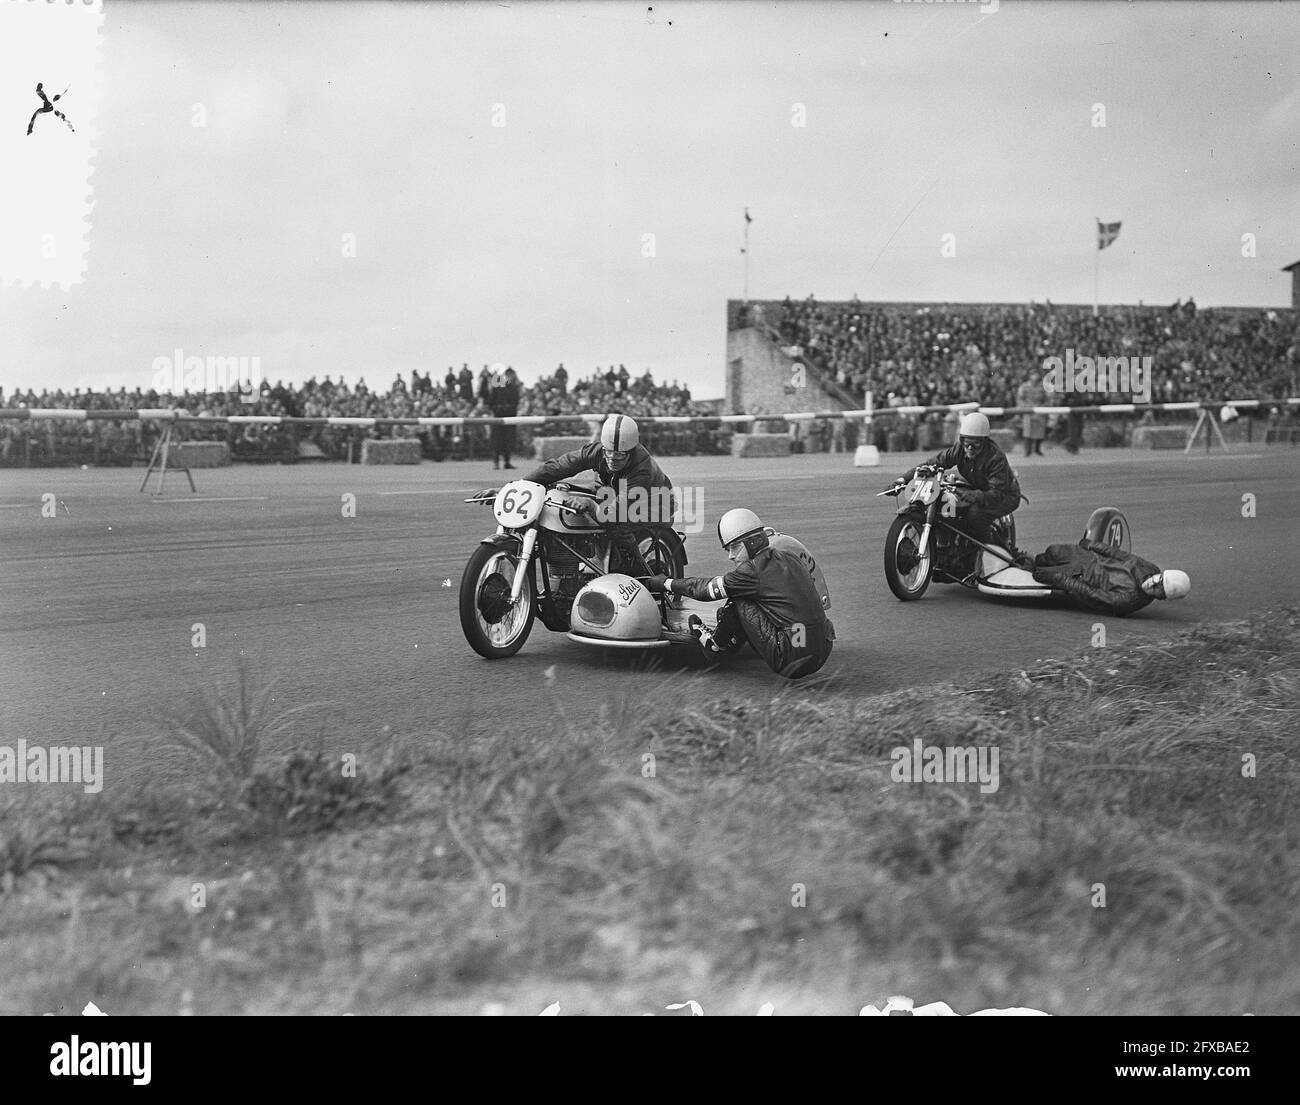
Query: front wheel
pixel 493 627
pixel 907 574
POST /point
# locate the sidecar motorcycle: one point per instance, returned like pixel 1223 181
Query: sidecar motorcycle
pixel 923 545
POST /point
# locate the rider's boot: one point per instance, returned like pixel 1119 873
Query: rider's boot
pixel 702 634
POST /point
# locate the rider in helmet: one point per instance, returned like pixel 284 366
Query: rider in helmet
pixel 994 489
pixel 1107 580
pixel 623 465
pixel 773 601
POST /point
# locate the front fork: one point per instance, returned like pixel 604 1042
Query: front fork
pixel 521 570
pixel 924 542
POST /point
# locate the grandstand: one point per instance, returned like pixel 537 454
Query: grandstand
pixel 783 357
pixel 786 355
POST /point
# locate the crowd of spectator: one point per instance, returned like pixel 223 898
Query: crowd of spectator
pixel 460 393
pixel 905 354
pixel 951 353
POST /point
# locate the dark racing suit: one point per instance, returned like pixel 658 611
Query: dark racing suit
pixel 1097 577
pixel 641 472
pixel 774 605
pixel 994 489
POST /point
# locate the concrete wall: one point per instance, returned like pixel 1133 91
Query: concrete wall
pixel 760 379
pixel 199 454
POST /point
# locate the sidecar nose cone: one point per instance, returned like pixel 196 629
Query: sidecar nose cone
pixel 595 609
pixel 616 607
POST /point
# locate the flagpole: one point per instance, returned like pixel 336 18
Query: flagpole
pixel 746 253
pixel 1096 273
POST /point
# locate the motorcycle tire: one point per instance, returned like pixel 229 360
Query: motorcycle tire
pixel 1108 526
pixel 664 553
pixel 908 586
pixel 484 604
pixel 1003 532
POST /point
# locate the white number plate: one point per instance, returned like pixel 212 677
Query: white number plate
pixel 519 503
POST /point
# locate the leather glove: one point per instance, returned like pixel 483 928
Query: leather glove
pixel 656 585
pixel 485 493
pixel 582 506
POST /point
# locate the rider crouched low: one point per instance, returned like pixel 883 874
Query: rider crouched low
pixel 994 489
pixel 773 601
pixel 622 464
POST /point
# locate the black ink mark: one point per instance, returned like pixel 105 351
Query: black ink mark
pixel 47 105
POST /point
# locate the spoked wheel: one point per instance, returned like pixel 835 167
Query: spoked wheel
pixel 664 554
pixel 493 627
pixel 1003 532
pixel 907 574
pixel 1108 526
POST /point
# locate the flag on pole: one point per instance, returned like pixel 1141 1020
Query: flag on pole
pixel 1106 233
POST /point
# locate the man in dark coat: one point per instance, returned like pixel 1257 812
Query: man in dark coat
pixel 773 601
pixel 994 489
pixel 504 401
pixel 641 498
pixel 1107 580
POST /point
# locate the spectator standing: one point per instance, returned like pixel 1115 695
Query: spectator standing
pixel 1031 393
pixel 1074 421
pixel 562 379
pixel 466 382
pixel 504 401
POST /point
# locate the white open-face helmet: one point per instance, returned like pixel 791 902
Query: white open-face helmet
pixel 1169 584
pixel 974 424
pixel 619 434
pixel 742 525
pixel 1177 584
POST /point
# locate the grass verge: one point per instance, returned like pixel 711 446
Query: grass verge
pixel 1139 855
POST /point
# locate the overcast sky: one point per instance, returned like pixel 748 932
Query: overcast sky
pixel 525 243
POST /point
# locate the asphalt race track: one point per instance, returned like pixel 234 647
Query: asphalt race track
pixel 353 615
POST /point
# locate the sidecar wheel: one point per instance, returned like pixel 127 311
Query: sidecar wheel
pixel 907 574
pixel 1108 526
pixel 492 627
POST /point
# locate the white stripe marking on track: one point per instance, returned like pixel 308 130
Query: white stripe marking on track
pixel 215 499
pixel 774 478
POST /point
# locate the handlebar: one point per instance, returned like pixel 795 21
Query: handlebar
pixel 949 478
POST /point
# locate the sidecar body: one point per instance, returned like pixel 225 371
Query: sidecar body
pixel 1002 579
pixel 615 611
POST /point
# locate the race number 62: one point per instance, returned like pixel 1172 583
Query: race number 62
pixel 519 503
